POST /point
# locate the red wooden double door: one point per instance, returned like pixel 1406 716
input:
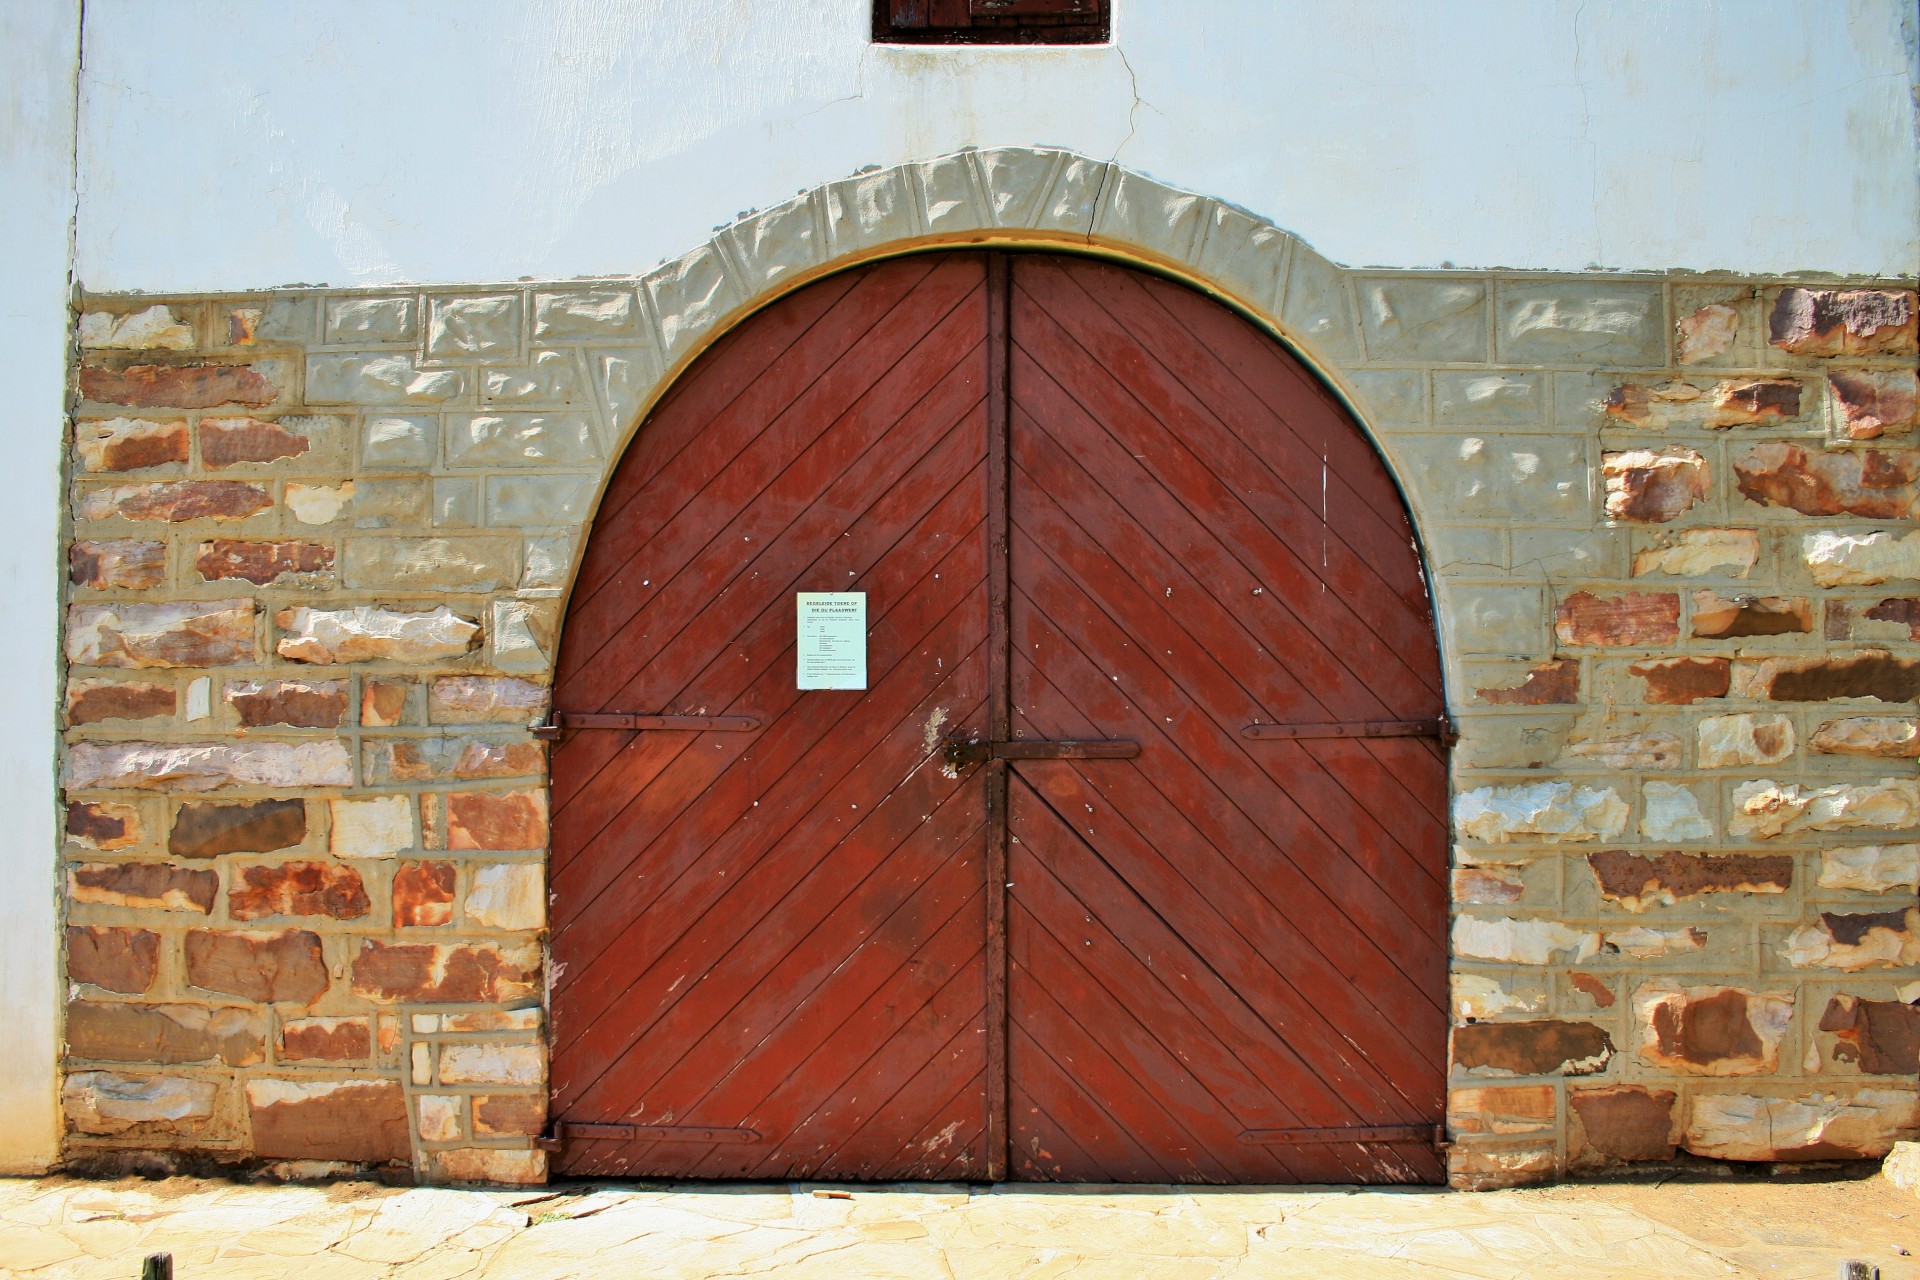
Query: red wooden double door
pixel 817 940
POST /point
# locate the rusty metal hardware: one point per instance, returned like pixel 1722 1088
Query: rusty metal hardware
pixel 568 1129
pixel 962 752
pixel 1434 1135
pixel 1441 728
pixel 562 722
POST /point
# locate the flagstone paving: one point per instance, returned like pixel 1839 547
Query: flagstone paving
pixel 70 1229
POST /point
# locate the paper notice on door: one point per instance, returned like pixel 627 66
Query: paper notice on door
pixel 832 640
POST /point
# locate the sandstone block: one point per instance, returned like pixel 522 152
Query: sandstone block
pixel 205 829
pixel 1731 402
pixel 1501 1111
pixel 1711 1031
pixel 1519 941
pixel 1902 1167
pixel 312 704
pixel 200 633
pixel 1875 484
pixel 1881 1037
pixel 181 386
pixel 174 501
pixel 383 703
pixel 551 377
pixel 479 563
pixel 289 320
pixel 166 1033
pixel 1834 322
pixel 448 973
pixel 271 968
pixel 364 1121
pixel 1838 559
pixel 261 562
pixel 1487 477
pixel 1655 750
pixel 1763 809
pixel 507 820
pixel 1852 941
pixel 1727 741
pixel 1706 333
pixel 120 562
pixel 1478 1168
pixel 487 324
pixel 95 701
pixel 391 504
pixel 1869 673
pixel 435 759
pixel 1643 943
pixel 1625 1122
pixel 325 1040
pixel 1718 617
pixel 482 1062
pixel 1637 881
pixel 539 501
pixel 1483 886
pixel 396 441
pixel 229 442
pixel 103 826
pixel 438 1116
pixel 486 700
pixel 107 1102
pixel 508 895
pixel 1549 812
pixel 1895 737
pixel 379 380
pixel 1698 552
pixel 297 889
pixel 1671 811
pixel 1488 399
pixel 423 894
pixel 490 1165
pixel 123 960
pixel 1873 404
pixel 1550 683
pixel 1538 1048
pixel 129 444
pixel 153 328
pixel 367 633
pixel 1871 868
pixel 585 313
pixel 318 503
pixel 1815 1126
pixel 1475 996
pixel 509 1114
pixel 1561 322
pixel 1424 319
pixel 509 439
pixel 1632 618
pixel 357 320
pixel 158 766
pixel 1653 486
pixel 373 828
pixel 158 885
pixel 1684 681
pixel 1901 611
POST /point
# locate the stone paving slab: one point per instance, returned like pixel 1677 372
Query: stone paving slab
pixel 69 1229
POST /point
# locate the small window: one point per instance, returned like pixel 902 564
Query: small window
pixel 990 21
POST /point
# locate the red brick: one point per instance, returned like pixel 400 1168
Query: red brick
pixel 94 701
pixel 1536 1048
pixel 271 968
pixel 1625 1122
pixel 1881 1037
pixel 297 889
pixel 1595 989
pixel 226 442
pixel 510 1114
pixel 1634 618
pixel 260 562
pixel 363 1121
pixel 1665 878
pixel 128 563
pixel 160 885
pixel 423 894
pixel 1550 684
pixel 123 960
pixel 184 386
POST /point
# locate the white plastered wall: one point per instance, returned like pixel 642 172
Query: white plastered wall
pixel 37 60
pixel 235 144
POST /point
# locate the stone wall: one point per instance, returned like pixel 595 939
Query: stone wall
pixel 321 539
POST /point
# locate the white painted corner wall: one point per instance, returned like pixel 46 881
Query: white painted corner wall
pixel 238 143
pixel 38 44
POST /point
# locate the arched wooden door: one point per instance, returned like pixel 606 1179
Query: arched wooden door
pixel 1127 864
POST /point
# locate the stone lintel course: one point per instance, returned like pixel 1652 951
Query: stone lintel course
pixel 1668 520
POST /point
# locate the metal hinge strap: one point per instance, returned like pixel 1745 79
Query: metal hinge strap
pixel 1441 728
pixel 566 1129
pixel 1434 1135
pixel 966 751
